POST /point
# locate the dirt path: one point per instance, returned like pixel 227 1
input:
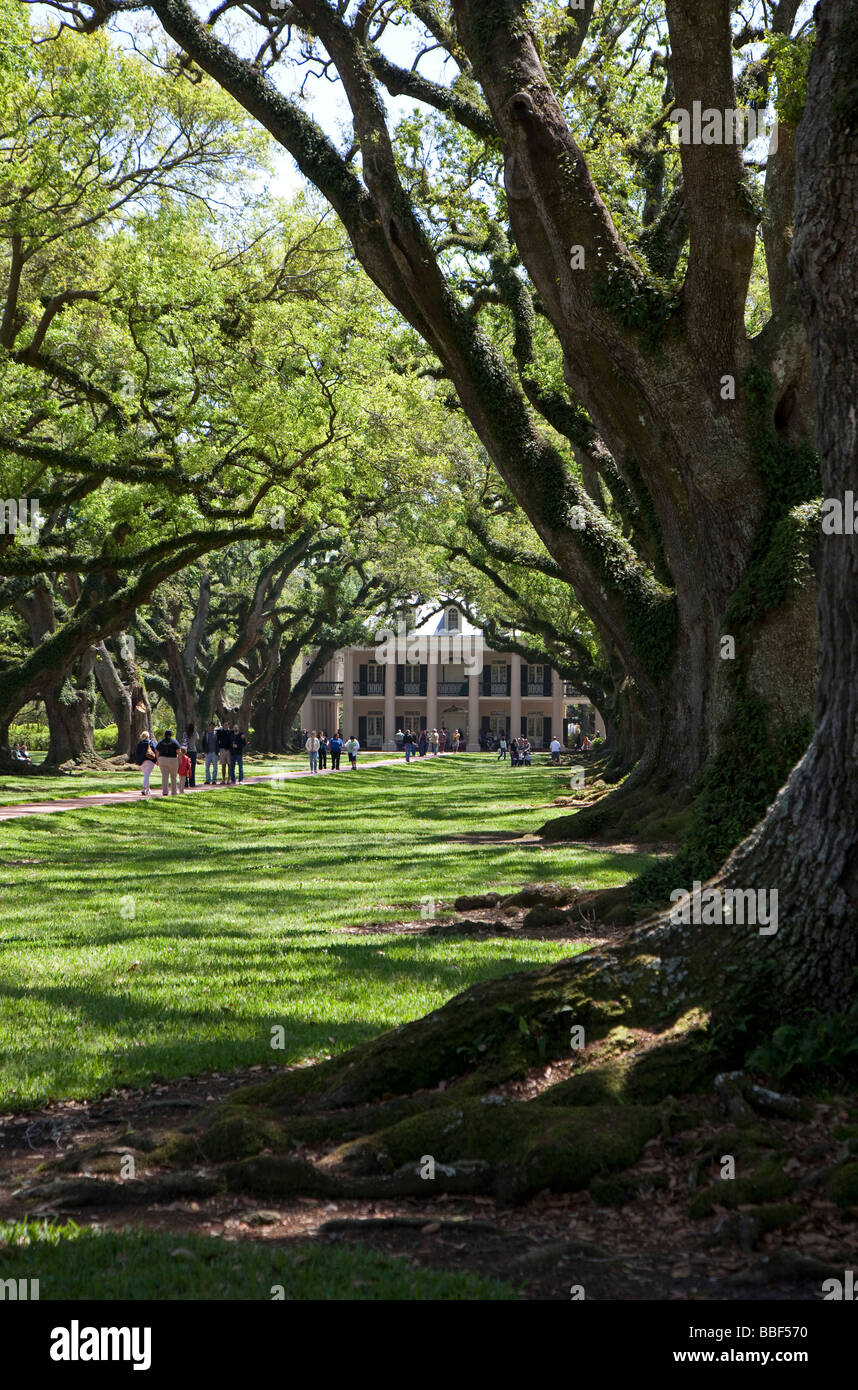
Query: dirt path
pixel 80 803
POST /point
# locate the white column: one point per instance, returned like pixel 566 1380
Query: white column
pixel 432 688
pixel 558 729
pixel 515 697
pixel 389 742
pixel 473 713
pixel 349 727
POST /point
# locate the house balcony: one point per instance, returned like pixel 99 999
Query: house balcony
pixel 536 688
pixel 369 688
pixel 329 688
pixel 411 688
pixel 452 687
pixel 499 692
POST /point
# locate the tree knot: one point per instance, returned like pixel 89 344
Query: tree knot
pixel 520 106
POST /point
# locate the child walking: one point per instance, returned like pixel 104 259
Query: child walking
pixel 184 769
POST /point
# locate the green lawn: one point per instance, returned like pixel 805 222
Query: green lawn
pixel 74 1263
pixel 169 937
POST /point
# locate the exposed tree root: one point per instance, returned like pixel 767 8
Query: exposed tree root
pixel 631 811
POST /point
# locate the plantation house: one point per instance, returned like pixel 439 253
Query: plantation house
pixel 440 675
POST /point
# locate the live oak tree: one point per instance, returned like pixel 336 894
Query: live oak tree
pixel 666 458
pixel 174 378
pixel 247 619
pixel 695 995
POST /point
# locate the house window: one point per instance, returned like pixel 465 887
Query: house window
pixel 374 674
pixel 535 675
pixel 412 675
pixel 410 721
pixel 451 674
pixel 535 727
pixel 452 620
pixel 497 724
pixel 375 730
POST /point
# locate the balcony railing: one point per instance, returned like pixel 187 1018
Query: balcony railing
pixel 369 688
pixel 452 687
pixel 571 691
pixel 499 688
pixel 536 688
pixel 411 687
pixel 328 688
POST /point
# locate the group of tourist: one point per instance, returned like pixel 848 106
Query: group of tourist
pixel 221 746
pixel 21 754
pixel 319 746
pixel 418 745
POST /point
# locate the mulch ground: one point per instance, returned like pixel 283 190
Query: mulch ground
pixel 648 1249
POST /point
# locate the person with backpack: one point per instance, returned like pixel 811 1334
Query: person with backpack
pixel 146 759
pixel 168 761
pixel 335 748
pixel 353 748
pixel 236 754
pixel 209 741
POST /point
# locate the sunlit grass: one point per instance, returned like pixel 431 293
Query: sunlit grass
pixel 168 937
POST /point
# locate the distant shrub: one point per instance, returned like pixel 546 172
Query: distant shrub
pixel 36 737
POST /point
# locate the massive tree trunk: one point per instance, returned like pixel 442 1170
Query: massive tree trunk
pixel 125 693
pixel 69 709
pixel 808 844
pixel 277 704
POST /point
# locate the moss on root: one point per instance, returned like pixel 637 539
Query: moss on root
pixel 528 1146
pixel 767 1184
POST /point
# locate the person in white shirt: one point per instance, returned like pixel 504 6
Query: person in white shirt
pixel 353 748
pixel 312 747
pixel 554 745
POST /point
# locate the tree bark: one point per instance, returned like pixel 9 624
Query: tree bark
pixel 808 844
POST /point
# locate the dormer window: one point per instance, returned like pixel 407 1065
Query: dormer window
pixel 452 620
